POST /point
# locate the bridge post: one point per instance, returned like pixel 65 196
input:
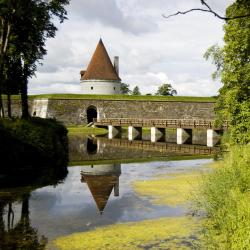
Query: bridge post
pixel 116 188
pixel 114 131
pixel 212 137
pixel 183 135
pixel 134 133
pixel 157 133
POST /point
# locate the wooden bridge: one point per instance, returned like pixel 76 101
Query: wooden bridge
pixel 183 127
pixel 160 123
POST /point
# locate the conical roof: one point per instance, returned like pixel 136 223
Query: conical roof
pixel 100 187
pixel 100 66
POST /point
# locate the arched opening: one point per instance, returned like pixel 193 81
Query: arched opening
pixel 91 113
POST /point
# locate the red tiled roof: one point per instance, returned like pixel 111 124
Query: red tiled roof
pixel 100 66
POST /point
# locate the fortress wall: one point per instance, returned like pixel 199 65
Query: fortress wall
pixel 74 111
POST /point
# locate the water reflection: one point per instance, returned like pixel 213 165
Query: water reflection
pixel 91 146
pixel 16 231
pixel 102 148
pixel 101 180
pixel 31 215
pixel 49 207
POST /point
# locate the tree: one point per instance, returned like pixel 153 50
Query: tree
pixel 30 24
pixel 216 54
pixel 12 73
pixel 166 89
pixel 232 65
pixel 234 98
pixel 136 91
pixel 125 89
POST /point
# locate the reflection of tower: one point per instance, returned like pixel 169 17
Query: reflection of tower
pixel 101 180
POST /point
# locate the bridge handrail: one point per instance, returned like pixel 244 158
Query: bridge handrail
pixel 158 122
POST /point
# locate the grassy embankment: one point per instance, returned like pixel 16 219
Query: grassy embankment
pixel 123 97
pixel 224 197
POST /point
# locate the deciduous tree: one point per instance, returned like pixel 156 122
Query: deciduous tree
pixel 136 91
pixel 233 66
pixel 30 24
pixel 166 89
pixel 125 88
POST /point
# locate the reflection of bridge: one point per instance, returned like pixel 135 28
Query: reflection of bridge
pixel 161 146
pixel 183 126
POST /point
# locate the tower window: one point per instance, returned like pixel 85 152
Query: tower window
pixel 92 88
pixel 114 88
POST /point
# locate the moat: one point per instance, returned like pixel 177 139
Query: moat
pixel 102 187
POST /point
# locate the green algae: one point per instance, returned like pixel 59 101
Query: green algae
pixel 171 189
pixel 164 233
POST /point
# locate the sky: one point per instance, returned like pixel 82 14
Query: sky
pixel 152 50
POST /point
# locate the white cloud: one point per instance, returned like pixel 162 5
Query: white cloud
pixel 152 49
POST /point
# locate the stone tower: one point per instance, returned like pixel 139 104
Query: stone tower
pixel 101 76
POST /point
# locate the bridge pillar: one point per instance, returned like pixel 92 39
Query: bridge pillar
pixel 212 137
pixel 157 133
pixel 183 135
pixel 114 131
pixel 134 133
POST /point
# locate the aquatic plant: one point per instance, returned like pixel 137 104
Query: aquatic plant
pixel 165 233
pixel 171 189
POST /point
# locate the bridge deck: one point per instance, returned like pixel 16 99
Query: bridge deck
pixel 160 123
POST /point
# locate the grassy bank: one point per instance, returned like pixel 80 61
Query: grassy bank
pixel 30 146
pixel 224 197
pixel 123 97
pixel 76 130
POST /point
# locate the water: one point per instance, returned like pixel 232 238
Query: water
pixel 92 195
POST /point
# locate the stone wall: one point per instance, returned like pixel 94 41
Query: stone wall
pixel 74 111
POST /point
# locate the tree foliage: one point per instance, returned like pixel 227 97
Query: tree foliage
pixel 166 89
pixel 136 91
pixel 125 88
pixel 216 54
pixel 25 26
pixel 233 102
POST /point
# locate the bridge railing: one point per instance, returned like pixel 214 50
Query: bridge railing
pixel 160 123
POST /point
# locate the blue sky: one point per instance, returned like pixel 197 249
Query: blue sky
pixel 152 50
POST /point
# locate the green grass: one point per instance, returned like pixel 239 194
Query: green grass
pixel 123 97
pixel 78 130
pixel 224 197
